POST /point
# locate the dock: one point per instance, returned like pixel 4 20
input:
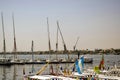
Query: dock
pixel 20 62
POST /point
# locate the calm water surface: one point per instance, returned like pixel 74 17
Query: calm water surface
pixel 15 72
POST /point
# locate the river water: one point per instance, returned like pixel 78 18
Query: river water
pixel 15 72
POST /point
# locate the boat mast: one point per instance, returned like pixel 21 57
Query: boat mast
pixel 4 43
pixel 65 49
pixel 15 47
pixel 74 47
pixel 32 51
pixel 57 38
pixel 48 35
pixel 32 56
pixel 49 45
pixel 57 49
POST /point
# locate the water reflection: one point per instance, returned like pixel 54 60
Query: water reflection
pixel 4 73
pixel 14 73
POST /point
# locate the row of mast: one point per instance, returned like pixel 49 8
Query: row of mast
pixel 49 44
pixel 4 41
pixel 15 47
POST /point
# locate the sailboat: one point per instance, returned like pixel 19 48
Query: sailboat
pixel 4 60
pixel 15 60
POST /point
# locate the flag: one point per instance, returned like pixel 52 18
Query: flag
pixel 80 65
pixel 101 65
pixel 82 61
pixel 77 67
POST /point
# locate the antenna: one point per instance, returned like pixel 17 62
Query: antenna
pixel 4 44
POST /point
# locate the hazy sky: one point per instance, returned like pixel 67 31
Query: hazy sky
pixel 96 22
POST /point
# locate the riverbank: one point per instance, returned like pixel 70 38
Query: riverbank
pixel 82 52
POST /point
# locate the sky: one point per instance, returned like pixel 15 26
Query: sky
pixel 95 22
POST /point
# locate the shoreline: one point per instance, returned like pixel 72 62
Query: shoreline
pixel 62 52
